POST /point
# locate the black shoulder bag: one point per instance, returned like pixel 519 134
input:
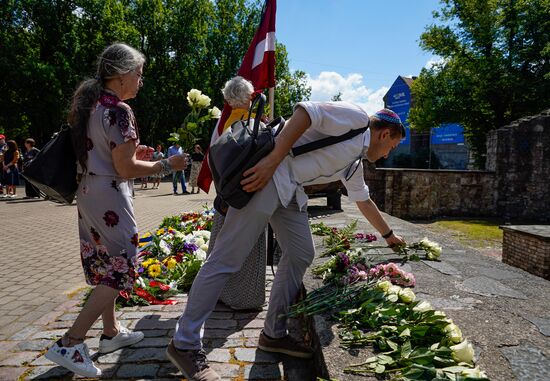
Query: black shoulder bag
pixel 53 169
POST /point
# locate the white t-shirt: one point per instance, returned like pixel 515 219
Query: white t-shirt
pixel 331 163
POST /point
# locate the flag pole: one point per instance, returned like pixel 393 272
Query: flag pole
pixel 271 103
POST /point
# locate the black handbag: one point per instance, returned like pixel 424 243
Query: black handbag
pixel 239 148
pixel 53 169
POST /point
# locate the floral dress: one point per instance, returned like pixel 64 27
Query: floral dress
pixel 106 221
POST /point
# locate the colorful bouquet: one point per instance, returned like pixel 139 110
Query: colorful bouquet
pixel 170 258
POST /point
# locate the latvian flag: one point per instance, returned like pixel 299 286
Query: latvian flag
pixel 258 67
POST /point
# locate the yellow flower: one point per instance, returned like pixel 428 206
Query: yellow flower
pixel 147 262
pixel 161 231
pixel 154 270
pixel 170 263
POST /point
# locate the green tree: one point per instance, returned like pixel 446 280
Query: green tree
pixel 495 67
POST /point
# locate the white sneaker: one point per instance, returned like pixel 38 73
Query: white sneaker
pixel 124 338
pixel 76 359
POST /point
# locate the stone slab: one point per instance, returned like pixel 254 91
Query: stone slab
pixel 528 362
pixel 454 302
pixel 482 285
pixel 542 324
pixel 442 267
pixel 498 274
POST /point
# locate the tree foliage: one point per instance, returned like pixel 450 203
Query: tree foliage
pixel 495 66
pixel 49 46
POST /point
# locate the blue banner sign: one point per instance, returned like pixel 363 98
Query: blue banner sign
pixel 398 99
pixel 451 133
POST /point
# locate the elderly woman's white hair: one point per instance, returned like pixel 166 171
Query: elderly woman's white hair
pixel 237 92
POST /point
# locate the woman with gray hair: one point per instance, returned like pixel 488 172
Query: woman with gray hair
pixel 237 92
pixel 105 139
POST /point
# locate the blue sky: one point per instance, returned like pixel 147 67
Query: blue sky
pixel 357 47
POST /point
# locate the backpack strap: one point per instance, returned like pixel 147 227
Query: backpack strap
pixel 304 148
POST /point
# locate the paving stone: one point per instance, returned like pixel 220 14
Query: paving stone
pixel 68 317
pixel 263 372
pixel 455 302
pixel 221 315
pixel 19 358
pixel 527 362
pixel 155 324
pixel 498 274
pixel 147 371
pixel 221 343
pixel 11 373
pixel 252 333
pixel 219 355
pixel 542 324
pixel 442 267
pixel 223 324
pixel 226 370
pixel 222 334
pixel 35 345
pixel 155 332
pixel 255 356
pixel 25 333
pixel 47 373
pixel 137 315
pixel 143 354
pixel 53 334
pixel 152 342
pixel 252 324
pixel 489 287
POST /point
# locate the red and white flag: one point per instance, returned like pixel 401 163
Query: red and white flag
pixel 258 67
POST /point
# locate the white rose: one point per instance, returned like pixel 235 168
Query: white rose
pixel 200 254
pixel 215 113
pixel 394 290
pixel 199 242
pixel 164 247
pixel 423 306
pixel 204 247
pixel 473 373
pixel 454 334
pixel 383 286
pixel 193 96
pixel 463 352
pixel 406 295
pixel 203 101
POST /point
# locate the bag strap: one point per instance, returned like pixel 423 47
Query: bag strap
pixel 308 147
pixel 258 102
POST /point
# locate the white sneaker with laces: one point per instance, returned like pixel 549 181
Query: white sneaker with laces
pixel 124 338
pixel 76 359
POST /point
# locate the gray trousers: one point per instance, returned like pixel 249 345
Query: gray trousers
pixel 239 233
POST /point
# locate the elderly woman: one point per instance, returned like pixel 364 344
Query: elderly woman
pixel 106 139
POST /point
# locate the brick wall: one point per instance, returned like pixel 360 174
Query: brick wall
pixel 424 193
pixel 526 251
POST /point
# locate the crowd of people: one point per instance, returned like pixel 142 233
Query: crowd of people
pixel 109 156
pixel 14 162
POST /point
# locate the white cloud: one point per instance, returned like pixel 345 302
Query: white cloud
pixel 436 60
pixel 352 88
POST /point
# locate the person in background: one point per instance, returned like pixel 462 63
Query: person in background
pixel 106 139
pixel 196 161
pixel 3 148
pixel 144 153
pixel 176 149
pixel 30 190
pixel 157 155
pixel 10 169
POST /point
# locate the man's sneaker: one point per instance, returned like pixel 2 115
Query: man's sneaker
pixel 286 345
pixel 76 359
pixel 124 338
pixel 191 363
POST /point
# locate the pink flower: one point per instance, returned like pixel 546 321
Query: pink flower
pixel 392 269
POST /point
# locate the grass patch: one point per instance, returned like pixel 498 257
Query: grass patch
pixel 477 233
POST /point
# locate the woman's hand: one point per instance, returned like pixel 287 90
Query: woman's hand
pixel 178 162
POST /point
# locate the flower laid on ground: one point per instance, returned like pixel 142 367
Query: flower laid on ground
pixel 170 258
pixel 375 306
pixel 432 249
